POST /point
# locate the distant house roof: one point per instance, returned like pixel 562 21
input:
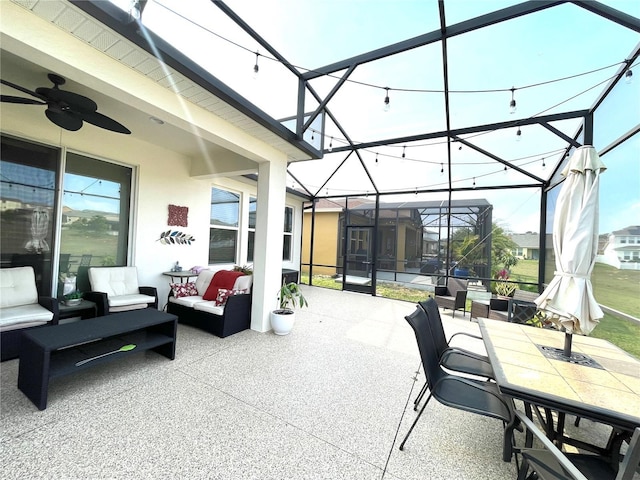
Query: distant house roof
pixel 632 230
pixel 526 240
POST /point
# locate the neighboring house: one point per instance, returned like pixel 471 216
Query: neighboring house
pixel 623 249
pixel 528 245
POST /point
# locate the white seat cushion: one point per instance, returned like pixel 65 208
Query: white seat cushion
pixel 24 314
pixel 126 308
pixel 186 301
pixel 132 299
pixel 209 307
pixel 114 280
pixel 17 287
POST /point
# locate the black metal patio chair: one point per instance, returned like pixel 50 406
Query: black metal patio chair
pixel 552 464
pixel 475 396
pixel 452 358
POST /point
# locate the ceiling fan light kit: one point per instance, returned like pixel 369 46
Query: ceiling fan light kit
pixel 66 109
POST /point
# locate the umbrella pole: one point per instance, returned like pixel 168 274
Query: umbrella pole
pixel 567 344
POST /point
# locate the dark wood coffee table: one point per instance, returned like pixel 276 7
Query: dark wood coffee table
pixel 58 350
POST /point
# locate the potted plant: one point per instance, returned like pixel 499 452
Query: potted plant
pixel 503 287
pixel 73 298
pixel 289 297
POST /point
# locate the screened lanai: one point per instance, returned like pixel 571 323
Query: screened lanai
pixel 407 102
pixel 426 102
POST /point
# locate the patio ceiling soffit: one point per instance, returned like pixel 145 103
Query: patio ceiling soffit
pixel 121 22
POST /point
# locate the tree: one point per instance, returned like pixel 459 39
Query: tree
pixel 502 250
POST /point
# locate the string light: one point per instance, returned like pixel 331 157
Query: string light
pixel 441 169
pixel 505 169
pixel 376 158
pixel 413 90
pixel 512 104
pixel 628 77
pixel 331 144
pixel 256 68
pixel 474 182
pixel 386 100
pixel 519 135
pixel 544 165
pixel 403 149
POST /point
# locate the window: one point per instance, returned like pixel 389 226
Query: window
pixel 623 239
pixel 288 231
pixel 252 228
pixel 223 235
pixel 27 214
pixel 95 213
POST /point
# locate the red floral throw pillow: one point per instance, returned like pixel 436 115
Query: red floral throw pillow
pixel 224 294
pixel 184 289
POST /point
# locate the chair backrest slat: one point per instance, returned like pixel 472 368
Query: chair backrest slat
pixel 419 321
pixel 435 324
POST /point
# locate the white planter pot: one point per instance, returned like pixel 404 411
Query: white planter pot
pixel 282 323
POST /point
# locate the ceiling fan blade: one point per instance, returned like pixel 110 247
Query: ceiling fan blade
pixel 26 101
pixel 22 89
pixel 100 120
pixel 65 119
pixel 76 102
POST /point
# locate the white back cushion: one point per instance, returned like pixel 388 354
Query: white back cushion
pixel 243 283
pixel 17 287
pixel 114 280
pixel 203 281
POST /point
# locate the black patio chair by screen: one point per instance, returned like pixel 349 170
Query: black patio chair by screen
pixel 475 396
pixel 452 358
pixel 552 464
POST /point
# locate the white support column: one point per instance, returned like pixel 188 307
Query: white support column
pixel 267 266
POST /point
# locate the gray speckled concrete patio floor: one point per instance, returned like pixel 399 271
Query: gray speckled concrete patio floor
pixel 332 400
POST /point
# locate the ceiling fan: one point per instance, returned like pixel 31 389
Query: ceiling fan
pixel 68 110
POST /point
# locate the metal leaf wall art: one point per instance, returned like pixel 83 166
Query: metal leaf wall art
pixel 175 237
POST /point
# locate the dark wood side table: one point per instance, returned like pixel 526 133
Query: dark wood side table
pixel 85 309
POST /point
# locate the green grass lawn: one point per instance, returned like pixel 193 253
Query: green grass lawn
pixel 79 243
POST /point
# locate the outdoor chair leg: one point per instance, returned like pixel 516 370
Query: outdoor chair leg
pixel 414 423
pixel 419 397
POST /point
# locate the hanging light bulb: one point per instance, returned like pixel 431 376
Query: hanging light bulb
pixel 544 165
pixel 505 170
pixel 313 135
pixel 460 147
pixel 441 169
pixel 628 77
pixel 519 135
pixel 474 182
pixel 403 149
pixel 376 158
pixel 256 68
pixel 416 190
pixel 512 104
pixel 331 144
pixel 386 100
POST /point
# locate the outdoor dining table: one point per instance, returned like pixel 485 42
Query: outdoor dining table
pixel 600 382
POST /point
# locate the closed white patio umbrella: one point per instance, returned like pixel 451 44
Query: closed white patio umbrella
pixel 569 297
